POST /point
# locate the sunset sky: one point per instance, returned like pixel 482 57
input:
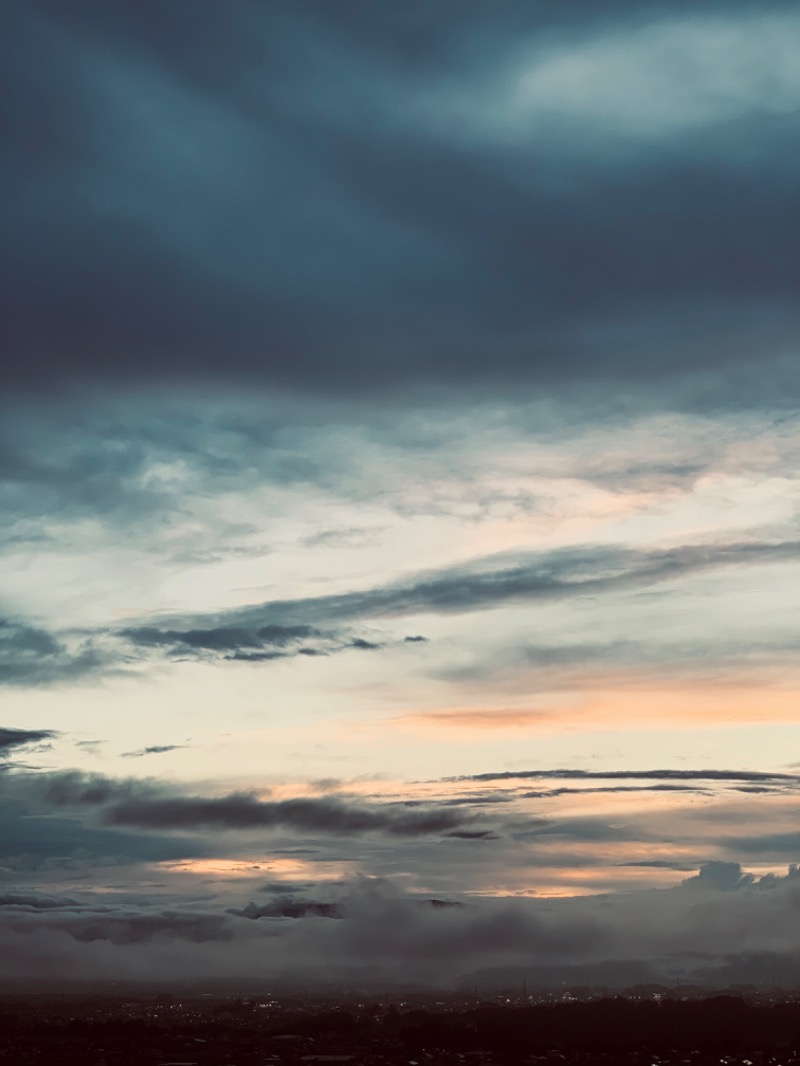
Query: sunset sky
pixel 399 489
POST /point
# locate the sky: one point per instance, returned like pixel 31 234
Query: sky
pixel 399 491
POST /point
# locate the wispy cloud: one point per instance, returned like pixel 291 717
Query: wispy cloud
pixel 153 749
pixel 644 775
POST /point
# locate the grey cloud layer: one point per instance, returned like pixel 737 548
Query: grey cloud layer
pixel 646 775
pixel 69 827
pixel 286 195
pixel 71 810
pixel 242 811
pixel 496 580
pixel 30 655
pixel 388 936
pixel 151 806
pixel 120 928
pixel 319 625
pixel 136 467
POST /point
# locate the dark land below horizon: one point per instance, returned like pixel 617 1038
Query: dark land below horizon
pixel 645 1026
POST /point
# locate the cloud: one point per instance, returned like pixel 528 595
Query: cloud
pixel 290 909
pixel 317 313
pixel 650 82
pixel 390 937
pixel 472 834
pixel 244 811
pixel 30 655
pixel 221 638
pixel 120 928
pixel 551 792
pixel 720 876
pixel 154 749
pixel 34 656
pixel 279 629
pixel 401 244
pixel 152 806
pixel 347 907
pixel 15 738
pixel 356 537
pixel 644 775
pixel 384 934
pixel 61 845
pixel 257 644
pixel 659 864
pixel 764 843
pixel 730 877
pixel 34 902
pixel 483 583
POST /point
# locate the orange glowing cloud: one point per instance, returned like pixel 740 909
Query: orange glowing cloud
pixel 275 869
pixel 623 700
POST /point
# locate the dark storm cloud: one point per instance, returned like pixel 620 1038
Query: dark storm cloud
pixel 244 811
pixel 15 738
pixel 152 806
pixel 280 194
